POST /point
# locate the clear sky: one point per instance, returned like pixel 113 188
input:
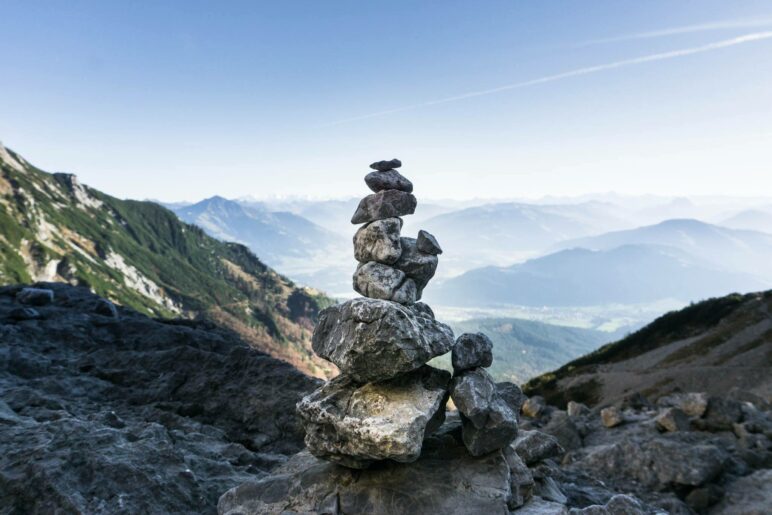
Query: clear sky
pixel 184 100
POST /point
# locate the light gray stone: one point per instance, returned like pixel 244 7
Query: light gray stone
pixel 378 241
pixel 611 416
pixel 373 340
pixel 472 350
pixel 428 243
pixel 576 409
pixel 618 505
pixel 388 180
pixel 693 404
pixel 355 424
pixel 384 204
pixel 379 281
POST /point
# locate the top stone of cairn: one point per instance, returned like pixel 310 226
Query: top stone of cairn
pixel 384 166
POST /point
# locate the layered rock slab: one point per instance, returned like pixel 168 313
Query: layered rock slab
pixel 446 479
pixel 374 340
pixel 355 424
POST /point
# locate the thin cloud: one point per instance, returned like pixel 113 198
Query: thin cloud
pixel 688 29
pixel 747 38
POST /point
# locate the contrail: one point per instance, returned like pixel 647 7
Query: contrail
pixel 748 38
pixel 673 31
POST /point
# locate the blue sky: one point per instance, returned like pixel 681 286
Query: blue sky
pixel 184 100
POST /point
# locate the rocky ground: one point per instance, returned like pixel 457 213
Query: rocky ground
pixel 104 410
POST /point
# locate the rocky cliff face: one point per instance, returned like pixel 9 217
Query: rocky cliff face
pixel 138 254
pixel 104 410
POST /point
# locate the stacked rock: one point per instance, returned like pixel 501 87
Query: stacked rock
pixel 386 399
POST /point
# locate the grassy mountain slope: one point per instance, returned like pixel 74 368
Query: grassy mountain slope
pixel 709 346
pixel 525 348
pixel 139 254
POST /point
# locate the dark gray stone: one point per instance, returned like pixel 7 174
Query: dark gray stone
pixel 379 281
pixel 488 422
pixel 428 243
pixel 520 479
pixel 373 340
pixel 355 424
pixel 512 395
pixel 23 314
pixel 418 266
pixel 388 180
pixel 472 350
pixel 384 204
pixel 378 241
pixel 35 296
pixel 535 446
pixel 383 166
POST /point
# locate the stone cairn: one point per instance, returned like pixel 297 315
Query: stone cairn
pixel 386 399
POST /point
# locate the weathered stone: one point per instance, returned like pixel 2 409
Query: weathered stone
pixel 388 180
pixel 354 424
pixel 384 204
pixel 373 340
pixel 672 420
pixel 472 350
pixel 488 421
pixel 379 281
pixel 520 479
pixel 378 241
pixel 562 427
pixel 105 308
pixel 535 446
pixel 498 430
pixel 444 480
pixel 749 495
pixel 539 506
pixel 576 409
pixel 426 242
pixel 383 166
pixel 692 403
pixel 35 296
pixel 618 505
pixel 658 463
pixel 611 416
pixel 533 406
pixel 512 395
pixel 721 414
pixel 418 265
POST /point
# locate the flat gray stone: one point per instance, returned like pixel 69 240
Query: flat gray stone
pixel 383 166
pixel 388 180
pixel 379 281
pixel 428 243
pixel 355 424
pixel 444 480
pixel 472 350
pixel 384 204
pixel 379 241
pixel 373 340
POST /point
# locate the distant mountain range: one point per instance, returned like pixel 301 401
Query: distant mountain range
pixel 712 346
pixel 523 349
pixel 626 274
pixel 275 236
pixel 729 249
pixel 751 219
pixel 139 254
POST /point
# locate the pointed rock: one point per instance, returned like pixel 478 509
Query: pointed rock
pixel 384 204
pixel 428 243
pixel 373 340
pixel 418 266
